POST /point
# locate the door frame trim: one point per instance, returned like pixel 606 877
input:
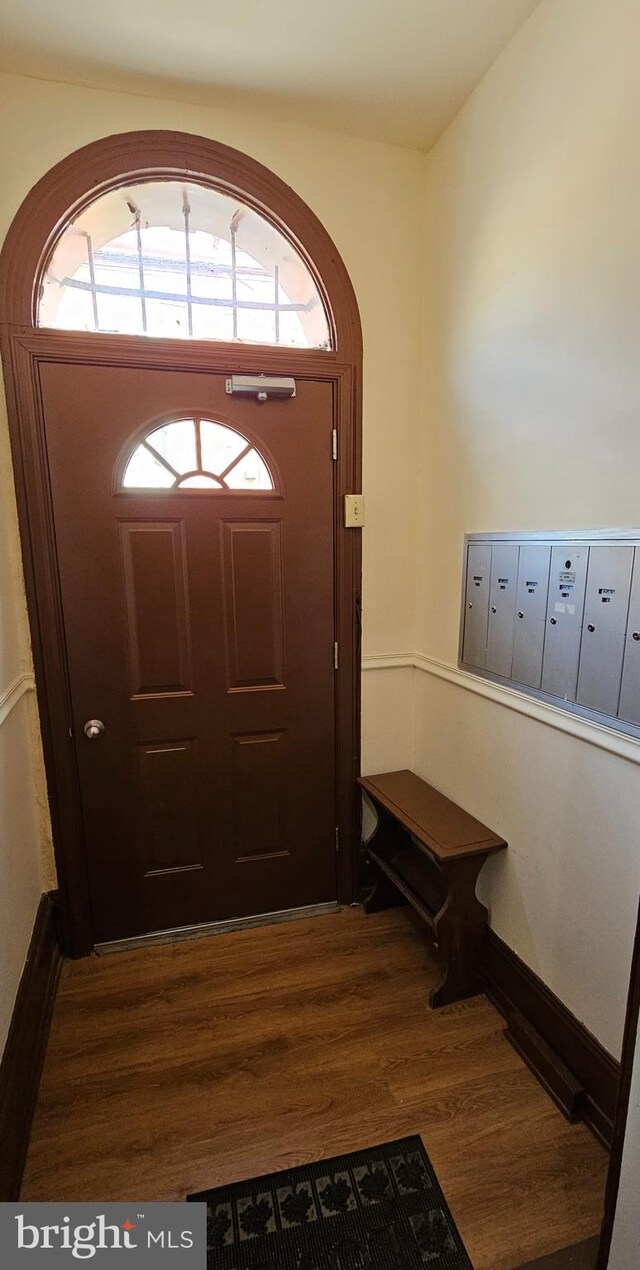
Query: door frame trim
pixel 25 348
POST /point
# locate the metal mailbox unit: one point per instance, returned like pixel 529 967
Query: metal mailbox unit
pixel 565 608
pixel 531 611
pixel 558 617
pixel 502 603
pixel 477 603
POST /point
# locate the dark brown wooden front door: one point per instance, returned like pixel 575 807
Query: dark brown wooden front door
pixel 199 626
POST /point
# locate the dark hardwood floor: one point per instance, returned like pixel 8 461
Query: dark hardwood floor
pixel 182 1066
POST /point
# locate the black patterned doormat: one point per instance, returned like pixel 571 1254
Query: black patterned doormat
pixel 380 1209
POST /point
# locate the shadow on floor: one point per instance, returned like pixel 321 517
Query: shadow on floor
pixel 579 1257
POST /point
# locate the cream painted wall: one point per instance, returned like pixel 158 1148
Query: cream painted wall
pixel 565 894
pixel 387 711
pixel 532 420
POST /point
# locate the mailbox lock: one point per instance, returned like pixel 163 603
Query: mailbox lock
pixel 591 627
pixel 493 608
pixel 554 621
pixel 636 634
pixel 470 604
pixel 520 613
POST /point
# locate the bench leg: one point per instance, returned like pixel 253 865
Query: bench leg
pixel 458 932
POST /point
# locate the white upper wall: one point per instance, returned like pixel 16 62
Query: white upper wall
pixel 392 72
pixel 533 294
pixel 532 421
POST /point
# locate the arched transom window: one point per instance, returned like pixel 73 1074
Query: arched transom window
pixel 196 453
pixel 169 258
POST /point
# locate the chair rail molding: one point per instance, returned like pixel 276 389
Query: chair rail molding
pixel 598 734
pixel 11 695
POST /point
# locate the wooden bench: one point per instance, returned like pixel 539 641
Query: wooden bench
pixel 430 851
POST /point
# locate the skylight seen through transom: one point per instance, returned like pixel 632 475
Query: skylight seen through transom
pixel 183 260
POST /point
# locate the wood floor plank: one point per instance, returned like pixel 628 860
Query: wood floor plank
pixel 183 1066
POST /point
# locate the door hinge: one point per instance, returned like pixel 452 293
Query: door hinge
pixel 337 840
pixel 334 443
pixel 335 655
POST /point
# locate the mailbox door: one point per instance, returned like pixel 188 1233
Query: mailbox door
pixel 603 632
pixel 565 606
pixel 531 609
pixel 630 694
pixel 502 603
pixel 476 605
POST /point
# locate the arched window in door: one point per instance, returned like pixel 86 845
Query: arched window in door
pixel 177 259
pixel 196 454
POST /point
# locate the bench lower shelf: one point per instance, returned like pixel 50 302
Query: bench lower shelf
pixel 444 895
pixel 429 851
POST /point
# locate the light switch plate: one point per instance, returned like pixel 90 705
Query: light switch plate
pixel 354 511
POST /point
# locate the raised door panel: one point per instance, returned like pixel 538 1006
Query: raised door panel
pixel 167 803
pixel 156 607
pixel 257 777
pixel 253 604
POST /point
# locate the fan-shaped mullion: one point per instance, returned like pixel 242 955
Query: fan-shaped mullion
pixel 234 462
pixel 157 455
pixel 187 476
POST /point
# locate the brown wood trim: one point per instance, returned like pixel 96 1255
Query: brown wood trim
pixel 73 183
pixel 622 1108
pixel 515 989
pixel 26 1046
pixel 157 353
pixel 348 583
pixel 553 1074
